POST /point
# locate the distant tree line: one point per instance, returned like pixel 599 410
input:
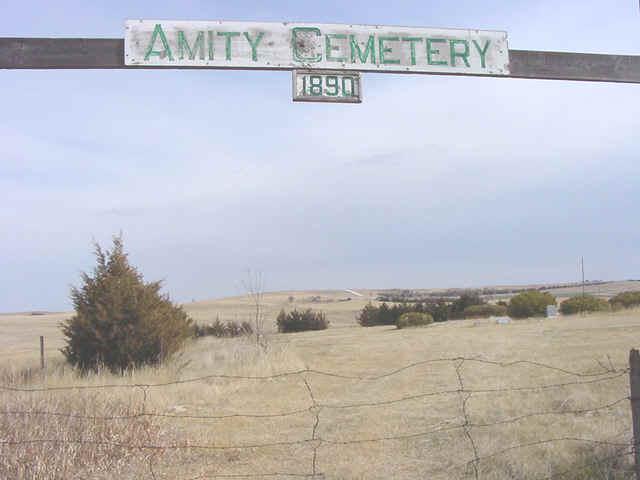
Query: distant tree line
pixel 531 303
pixel 466 305
pixel 526 304
pixel 406 295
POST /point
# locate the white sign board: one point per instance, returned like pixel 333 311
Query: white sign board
pixel 371 48
pixel 333 86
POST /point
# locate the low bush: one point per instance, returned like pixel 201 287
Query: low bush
pixel 586 303
pixel 223 329
pixel 625 300
pixel 300 321
pixel 414 319
pixel 438 309
pixel 531 303
pixel 485 311
pixel 371 315
pixel 458 307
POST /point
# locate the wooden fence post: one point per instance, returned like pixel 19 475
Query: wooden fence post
pixel 42 353
pixel 634 385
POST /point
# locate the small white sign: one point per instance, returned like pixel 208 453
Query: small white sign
pixel 261 45
pixel 326 86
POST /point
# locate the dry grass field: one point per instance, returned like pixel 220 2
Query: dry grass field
pixel 338 403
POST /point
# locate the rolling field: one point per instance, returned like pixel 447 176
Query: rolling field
pixel 23 329
pixel 440 402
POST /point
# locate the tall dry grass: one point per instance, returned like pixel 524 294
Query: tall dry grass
pixel 384 410
pixel 65 445
pixel 102 430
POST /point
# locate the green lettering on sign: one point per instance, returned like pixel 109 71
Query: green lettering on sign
pixel 382 49
pixel 210 43
pixel 227 44
pixel 166 52
pixel 412 46
pixel 348 92
pixel 434 51
pixel 316 85
pixel 332 48
pixel 482 52
pixel 332 82
pixel 297 44
pixel 198 46
pixel 454 53
pixel 356 50
pixel 254 44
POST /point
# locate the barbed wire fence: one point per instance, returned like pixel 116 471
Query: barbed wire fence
pixel 606 373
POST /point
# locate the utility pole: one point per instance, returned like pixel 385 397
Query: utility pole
pixel 582 273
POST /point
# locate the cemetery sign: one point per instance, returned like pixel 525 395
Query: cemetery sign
pixel 288 46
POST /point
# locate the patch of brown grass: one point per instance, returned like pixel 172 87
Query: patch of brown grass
pixel 48 435
pixel 582 344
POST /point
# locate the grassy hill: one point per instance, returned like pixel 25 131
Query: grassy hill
pixel 389 403
pixel 22 330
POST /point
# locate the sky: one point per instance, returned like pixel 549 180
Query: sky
pixel 432 181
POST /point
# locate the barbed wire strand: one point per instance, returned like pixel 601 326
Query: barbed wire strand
pixel 253 475
pixel 353 441
pixel 154 414
pixel 310 440
pixel 316 372
pixel 300 411
pixel 578 411
pixel 141 446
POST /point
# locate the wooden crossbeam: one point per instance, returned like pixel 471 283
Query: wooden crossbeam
pixel 588 67
pixel 108 53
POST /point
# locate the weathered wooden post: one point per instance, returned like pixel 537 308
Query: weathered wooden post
pixel 634 385
pixel 42 365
